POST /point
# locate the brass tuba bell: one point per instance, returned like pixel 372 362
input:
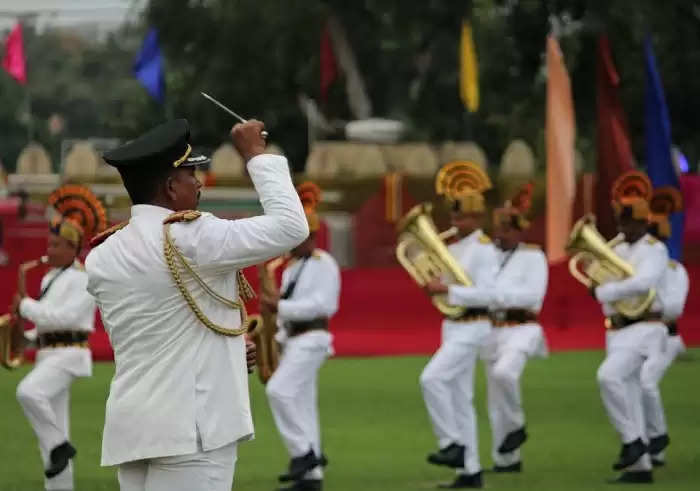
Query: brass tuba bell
pixel 422 252
pixel 595 263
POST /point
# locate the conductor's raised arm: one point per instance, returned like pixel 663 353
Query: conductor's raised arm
pixel 241 243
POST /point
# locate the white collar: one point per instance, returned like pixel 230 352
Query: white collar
pixel 150 210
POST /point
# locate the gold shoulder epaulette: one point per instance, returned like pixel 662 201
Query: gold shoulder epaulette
pixel 652 240
pixel 532 246
pixel 484 239
pixel 102 236
pixel 183 216
pixel 672 264
pixel 316 254
pixel 79 266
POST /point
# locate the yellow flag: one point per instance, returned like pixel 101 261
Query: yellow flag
pixel 468 70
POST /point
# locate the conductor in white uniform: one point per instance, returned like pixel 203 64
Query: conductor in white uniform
pixel 169 288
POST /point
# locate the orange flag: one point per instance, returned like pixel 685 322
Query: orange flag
pixel 560 138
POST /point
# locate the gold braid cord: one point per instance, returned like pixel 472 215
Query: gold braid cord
pixel 176 261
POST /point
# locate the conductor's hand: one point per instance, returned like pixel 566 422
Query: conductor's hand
pixel 435 287
pixel 250 354
pixel 248 138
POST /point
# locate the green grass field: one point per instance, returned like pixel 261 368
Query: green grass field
pixel 376 431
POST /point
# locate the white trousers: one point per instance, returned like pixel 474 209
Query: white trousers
pixel 44 396
pixel 200 471
pixel 506 412
pixel 448 390
pixel 653 371
pixel 292 392
pixel 619 378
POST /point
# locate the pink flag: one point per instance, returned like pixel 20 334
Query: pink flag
pixel 560 136
pixel 14 62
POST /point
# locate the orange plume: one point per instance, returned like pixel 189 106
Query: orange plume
pixel 79 205
pixel 309 194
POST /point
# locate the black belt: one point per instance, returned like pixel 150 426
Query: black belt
pixel 512 317
pixel 300 327
pixel 472 315
pixel 672 328
pixel 619 321
pixel 59 339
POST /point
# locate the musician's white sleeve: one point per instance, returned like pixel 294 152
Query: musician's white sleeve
pixel 234 244
pixel 483 275
pixel 647 276
pixel 323 302
pixel 674 298
pixel 527 294
pixel 67 315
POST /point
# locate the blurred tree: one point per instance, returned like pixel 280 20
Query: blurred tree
pixel 258 56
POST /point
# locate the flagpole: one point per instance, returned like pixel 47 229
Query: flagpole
pixel 30 119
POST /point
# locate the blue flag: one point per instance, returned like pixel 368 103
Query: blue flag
pixel 658 145
pixel 148 66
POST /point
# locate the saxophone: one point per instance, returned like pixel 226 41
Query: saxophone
pixel 263 327
pixel 12 342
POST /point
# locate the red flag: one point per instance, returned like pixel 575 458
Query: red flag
pixel 329 67
pixel 14 62
pixel 614 151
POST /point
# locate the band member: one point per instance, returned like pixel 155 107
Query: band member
pixel 309 298
pixel 63 316
pixel 169 287
pixel 521 284
pixel 631 341
pixel 673 292
pixel 448 379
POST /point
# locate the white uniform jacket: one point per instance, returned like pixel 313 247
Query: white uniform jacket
pixel 315 295
pixel 478 257
pixel 521 283
pixel 65 306
pixel 175 379
pixel 649 257
pixel 673 291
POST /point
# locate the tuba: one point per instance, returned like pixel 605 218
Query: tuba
pixel 595 263
pixel 422 252
pixel 12 341
pixel 263 327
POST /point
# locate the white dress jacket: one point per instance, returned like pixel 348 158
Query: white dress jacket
pixel 175 379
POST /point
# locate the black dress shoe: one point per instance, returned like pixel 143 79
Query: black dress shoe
pixel 658 444
pixel 465 481
pixel 304 485
pixel 629 454
pixel 60 457
pixel 636 477
pixel 323 460
pixel 657 462
pixel 517 467
pixel 513 440
pixel 450 456
pixel 299 466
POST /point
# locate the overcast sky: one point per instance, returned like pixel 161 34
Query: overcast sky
pixel 107 14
